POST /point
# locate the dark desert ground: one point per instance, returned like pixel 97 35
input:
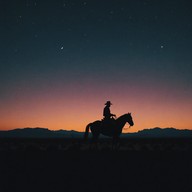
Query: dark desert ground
pixel 69 165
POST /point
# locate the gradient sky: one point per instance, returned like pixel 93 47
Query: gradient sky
pixel 61 60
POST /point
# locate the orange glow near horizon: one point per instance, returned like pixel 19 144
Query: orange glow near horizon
pixel 75 112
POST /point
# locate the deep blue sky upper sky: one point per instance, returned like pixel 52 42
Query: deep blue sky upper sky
pixel 65 58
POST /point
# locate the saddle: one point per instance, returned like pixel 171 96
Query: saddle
pixel 107 126
pixel 108 122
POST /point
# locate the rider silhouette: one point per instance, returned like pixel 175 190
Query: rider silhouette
pixel 107 113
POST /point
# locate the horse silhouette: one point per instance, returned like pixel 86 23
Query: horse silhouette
pixel 113 130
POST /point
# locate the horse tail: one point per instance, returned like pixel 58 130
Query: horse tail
pixel 86 132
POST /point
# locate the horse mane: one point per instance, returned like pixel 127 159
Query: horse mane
pixel 122 116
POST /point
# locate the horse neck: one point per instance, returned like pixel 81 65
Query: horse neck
pixel 121 121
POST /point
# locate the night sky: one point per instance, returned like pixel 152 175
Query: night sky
pixel 61 60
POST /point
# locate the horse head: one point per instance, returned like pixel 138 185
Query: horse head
pixel 129 119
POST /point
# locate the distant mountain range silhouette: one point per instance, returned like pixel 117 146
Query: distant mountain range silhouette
pixel 46 133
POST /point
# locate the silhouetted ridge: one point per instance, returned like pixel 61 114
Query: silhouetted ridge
pixel 39 133
pixel 163 132
pixel 46 133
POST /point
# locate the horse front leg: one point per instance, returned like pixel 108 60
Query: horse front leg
pixel 115 143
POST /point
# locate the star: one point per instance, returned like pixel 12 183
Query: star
pixel 111 12
pixel 84 3
pixel 64 4
pixel 84 34
pixel 162 46
pixel 62 48
pixel 16 50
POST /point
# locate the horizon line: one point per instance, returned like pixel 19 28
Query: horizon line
pixel 61 129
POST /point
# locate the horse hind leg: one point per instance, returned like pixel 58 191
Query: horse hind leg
pixel 94 142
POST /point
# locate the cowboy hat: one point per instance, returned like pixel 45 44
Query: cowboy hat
pixel 108 103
